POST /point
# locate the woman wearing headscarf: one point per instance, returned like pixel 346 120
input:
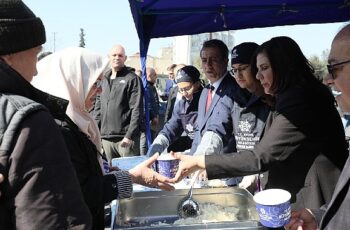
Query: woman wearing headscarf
pixel 73 75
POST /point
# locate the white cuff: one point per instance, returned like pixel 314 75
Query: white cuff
pixel 210 144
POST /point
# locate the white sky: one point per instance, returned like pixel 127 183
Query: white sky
pixel 108 22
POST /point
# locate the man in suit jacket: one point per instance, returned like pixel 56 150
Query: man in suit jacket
pixel 336 215
pixel 221 88
pixel 174 94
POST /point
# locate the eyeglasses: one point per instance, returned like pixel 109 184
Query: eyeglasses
pixel 186 89
pixel 333 67
pixel 235 71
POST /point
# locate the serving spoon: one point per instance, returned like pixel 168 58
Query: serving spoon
pixel 187 206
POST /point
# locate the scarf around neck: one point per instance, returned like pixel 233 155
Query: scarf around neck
pixel 70 74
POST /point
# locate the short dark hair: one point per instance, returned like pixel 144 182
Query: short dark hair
pixel 288 63
pixel 171 67
pixel 216 43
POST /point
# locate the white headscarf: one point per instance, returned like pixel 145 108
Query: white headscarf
pixel 70 74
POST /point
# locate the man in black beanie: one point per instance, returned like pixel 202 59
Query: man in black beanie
pixel 40 189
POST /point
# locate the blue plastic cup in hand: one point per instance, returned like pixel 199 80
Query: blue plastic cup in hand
pixel 273 206
pixel 167 165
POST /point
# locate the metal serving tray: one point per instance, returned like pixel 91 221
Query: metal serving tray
pixel 147 209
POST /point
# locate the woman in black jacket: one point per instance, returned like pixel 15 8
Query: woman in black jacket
pixel 73 75
pixel 303 125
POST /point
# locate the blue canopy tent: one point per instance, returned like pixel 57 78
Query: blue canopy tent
pixel 165 18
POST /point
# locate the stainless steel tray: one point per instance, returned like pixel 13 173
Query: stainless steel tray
pixel 146 209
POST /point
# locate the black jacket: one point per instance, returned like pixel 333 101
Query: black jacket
pixel 305 124
pixel 97 189
pixel 119 108
pixel 170 103
pixel 153 101
pixel 41 190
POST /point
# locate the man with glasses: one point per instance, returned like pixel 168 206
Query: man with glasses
pixel 336 216
pixel 184 116
pixel 335 67
pixel 343 107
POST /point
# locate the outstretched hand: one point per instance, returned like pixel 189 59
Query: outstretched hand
pixel 143 174
pixel 302 220
pixel 187 165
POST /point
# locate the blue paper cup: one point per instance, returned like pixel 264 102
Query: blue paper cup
pixel 167 165
pixel 273 206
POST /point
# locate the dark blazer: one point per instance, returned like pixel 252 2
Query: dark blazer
pixel 337 213
pixel 305 124
pixel 153 101
pixel 170 103
pixel 224 95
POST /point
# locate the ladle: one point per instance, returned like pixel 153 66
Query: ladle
pixel 187 206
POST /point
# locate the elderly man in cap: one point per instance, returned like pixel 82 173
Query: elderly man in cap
pixel 40 189
pixel 184 118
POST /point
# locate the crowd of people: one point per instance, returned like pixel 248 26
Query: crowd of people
pixel 268 122
pixel 292 137
pixel 52 171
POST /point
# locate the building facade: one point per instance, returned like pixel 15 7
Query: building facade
pixel 187 48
